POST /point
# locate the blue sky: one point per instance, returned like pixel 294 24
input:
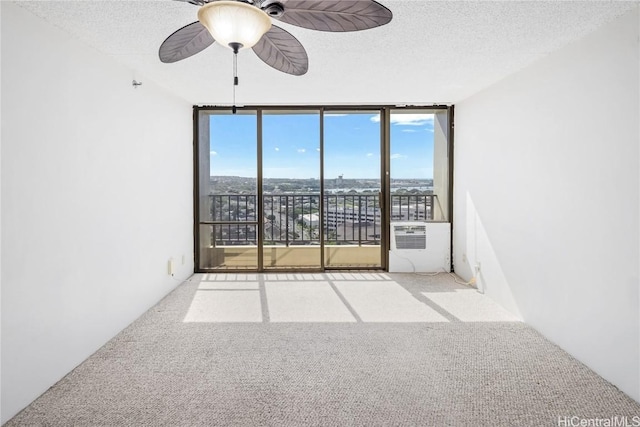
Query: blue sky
pixel 291 145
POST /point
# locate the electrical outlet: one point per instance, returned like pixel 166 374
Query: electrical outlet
pixel 184 259
pixel 170 267
pixel 478 267
pixel 464 258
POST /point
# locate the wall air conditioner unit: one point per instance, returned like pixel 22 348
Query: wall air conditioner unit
pixel 420 247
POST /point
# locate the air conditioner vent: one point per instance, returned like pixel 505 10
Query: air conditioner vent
pixel 410 236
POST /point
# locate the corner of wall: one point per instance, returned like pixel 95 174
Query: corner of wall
pixel 547 196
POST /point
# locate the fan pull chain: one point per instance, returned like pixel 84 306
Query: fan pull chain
pixel 235 79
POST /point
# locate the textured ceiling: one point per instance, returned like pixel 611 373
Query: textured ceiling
pixel 431 52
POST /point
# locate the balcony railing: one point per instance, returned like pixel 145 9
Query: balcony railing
pixel 294 219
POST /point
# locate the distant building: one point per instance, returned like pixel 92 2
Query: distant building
pixel 310 220
pixel 411 213
pixel 335 217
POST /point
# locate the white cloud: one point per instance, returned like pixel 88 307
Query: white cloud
pixel 213 153
pixel 301 150
pixel 407 119
pixel 397 156
pixel 277 149
pixel 409 130
pixel 411 119
pixel 317 149
pixel 369 154
pixel 334 115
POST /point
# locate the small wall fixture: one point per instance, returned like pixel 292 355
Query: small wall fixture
pixel 136 84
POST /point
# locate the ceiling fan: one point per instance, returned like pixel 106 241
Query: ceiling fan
pixel 244 24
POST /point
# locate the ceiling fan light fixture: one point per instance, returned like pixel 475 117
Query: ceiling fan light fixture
pixel 232 23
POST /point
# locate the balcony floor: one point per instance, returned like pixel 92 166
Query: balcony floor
pixel 327 349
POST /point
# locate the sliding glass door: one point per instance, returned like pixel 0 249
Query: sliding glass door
pixel 227 191
pixel 315 188
pixel 352 216
pixel 291 189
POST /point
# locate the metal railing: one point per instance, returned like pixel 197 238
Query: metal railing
pixel 294 219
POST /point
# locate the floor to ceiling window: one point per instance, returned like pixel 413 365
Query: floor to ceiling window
pixel 315 188
pixel 227 190
pixel 291 189
pixel 352 188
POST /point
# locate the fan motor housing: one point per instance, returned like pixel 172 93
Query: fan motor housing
pixel 273 8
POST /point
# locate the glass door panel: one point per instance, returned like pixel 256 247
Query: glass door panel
pixel 291 189
pixel 352 188
pixel 228 191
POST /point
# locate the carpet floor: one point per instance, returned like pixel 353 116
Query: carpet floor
pixel 457 367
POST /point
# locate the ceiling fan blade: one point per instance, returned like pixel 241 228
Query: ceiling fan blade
pixel 185 42
pixel 280 50
pixel 335 16
pixel 196 2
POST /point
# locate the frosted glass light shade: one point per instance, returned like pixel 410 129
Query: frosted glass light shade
pixel 234 22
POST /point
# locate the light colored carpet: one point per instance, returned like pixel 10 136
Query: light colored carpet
pixel 454 360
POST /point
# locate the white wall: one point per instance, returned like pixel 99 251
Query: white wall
pixel 547 197
pixel 96 197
